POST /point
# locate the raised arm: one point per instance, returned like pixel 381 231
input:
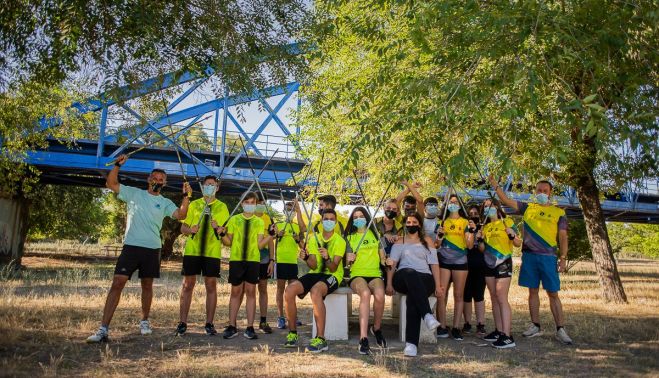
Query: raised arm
pixel 420 207
pixel 112 182
pixel 182 212
pixel 300 220
pixel 502 195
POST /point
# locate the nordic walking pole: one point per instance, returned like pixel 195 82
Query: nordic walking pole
pixel 361 192
pixel 256 180
pixel 310 215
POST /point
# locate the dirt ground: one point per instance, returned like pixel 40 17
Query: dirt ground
pixel 48 310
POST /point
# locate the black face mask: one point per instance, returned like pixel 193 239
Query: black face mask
pixel 321 211
pixel 156 187
pixel 391 214
pixel 412 229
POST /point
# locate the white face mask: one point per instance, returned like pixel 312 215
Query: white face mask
pixel 209 190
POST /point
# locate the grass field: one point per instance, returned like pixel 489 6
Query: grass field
pixel 48 310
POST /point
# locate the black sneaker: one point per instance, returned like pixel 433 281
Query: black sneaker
pixel 442 332
pixel 493 336
pixel 180 329
pixel 504 342
pixel 230 332
pixel 363 346
pixel 466 328
pixel 379 337
pixel 265 328
pixel 480 330
pixel 250 334
pixel 210 329
pixel 456 334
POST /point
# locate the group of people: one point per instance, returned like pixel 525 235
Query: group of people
pixel 418 248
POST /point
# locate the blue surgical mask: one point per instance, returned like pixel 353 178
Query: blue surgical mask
pixel 359 222
pixel 249 208
pixel 260 208
pixel 209 190
pixel 491 212
pixel 328 225
pixel 541 198
pixel 432 210
pixel 452 207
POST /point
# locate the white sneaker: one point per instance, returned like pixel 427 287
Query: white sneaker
pixel 145 327
pixel 533 331
pixel 410 350
pixel 100 336
pixel 561 335
pixel 431 322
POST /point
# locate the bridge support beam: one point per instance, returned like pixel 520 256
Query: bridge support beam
pixel 13 229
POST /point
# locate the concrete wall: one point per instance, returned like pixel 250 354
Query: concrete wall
pixel 13 230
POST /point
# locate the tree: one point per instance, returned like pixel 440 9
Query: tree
pixel 638 239
pixel 561 89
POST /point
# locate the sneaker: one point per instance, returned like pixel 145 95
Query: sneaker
pixel 291 340
pixel 210 329
pixel 410 350
pixel 431 322
pixel 145 327
pixel 230 332
pixel 533 331
pixel 101 336
pixel 181 328
pixel 442 332
pixel 466 328
pixel 250 334
pixel 456 334
pixel 363 346
pixel 281 322
pixel 265 327
pixel 317 345
pixel 379 338
pixel 493 336
pixel 480 330
pixel 504 342
pixel 561 335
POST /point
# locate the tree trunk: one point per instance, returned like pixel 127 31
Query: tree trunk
pixel 605 263
pixel 171 229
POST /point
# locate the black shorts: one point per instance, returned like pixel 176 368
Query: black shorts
pixel 243 271
pixel 286 271
pixel 475 284
pixel 263 271
pixel 310 279
pixel 132 258
pixel 195 265
pixel 368 279
pixel 454 266
pixel 503 270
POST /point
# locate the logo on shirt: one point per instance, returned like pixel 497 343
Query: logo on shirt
pixel 157 206
pixel 452 227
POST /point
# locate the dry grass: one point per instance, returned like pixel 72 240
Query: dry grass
pixel 48 310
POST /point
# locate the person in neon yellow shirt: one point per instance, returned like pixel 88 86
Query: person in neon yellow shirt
pixel 455 236
pixel 287 250
pixel 323 256
pixel 266 266
pixel 365 261
pixel 496 240
pixel 245 235
pixel 203 251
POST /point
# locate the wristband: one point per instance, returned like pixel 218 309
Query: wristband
pixel 511 236
pixel 223 234
pixel 306 257
pixel 116 164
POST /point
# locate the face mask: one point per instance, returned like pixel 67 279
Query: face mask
pixel 452 207
pixel 359 222
pixel 321 211
pixel 156 186
pixel 260 208
pixel 209 190
pixel 491 212
pixel 432 210
pixel 328 225
pixel 542 198
pixel 249 208
pixel 391 214
pixel 412 229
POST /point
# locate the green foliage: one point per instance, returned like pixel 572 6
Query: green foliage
pixel 578 245
pixel 114 226
pixel 636 239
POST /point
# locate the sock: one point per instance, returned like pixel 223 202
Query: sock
pixel 262 319
pixel 536 324
pixel 558 328
pixel 293 332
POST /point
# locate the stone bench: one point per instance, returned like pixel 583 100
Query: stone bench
pixel 425 335
pixel 339 307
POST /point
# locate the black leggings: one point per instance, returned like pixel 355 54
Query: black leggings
pixel 418 287
pixel 475 285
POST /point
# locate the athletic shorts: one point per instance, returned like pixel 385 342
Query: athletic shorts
pixel 368 279
pixel 503 270
pixel 132 258
pixel 263 271
pixel 475 284
pixel 286 271
pixel 454 266
pixel 243 271
pixel 195 265
pixel 538 268
pixel 310 279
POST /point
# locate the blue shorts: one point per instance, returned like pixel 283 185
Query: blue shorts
pixel 536 268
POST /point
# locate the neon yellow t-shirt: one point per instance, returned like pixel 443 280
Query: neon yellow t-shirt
pixel 335 245
pixel 239 225
pixel 497 242
pixel 217 210
pixel 287 248
pixel 367 260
